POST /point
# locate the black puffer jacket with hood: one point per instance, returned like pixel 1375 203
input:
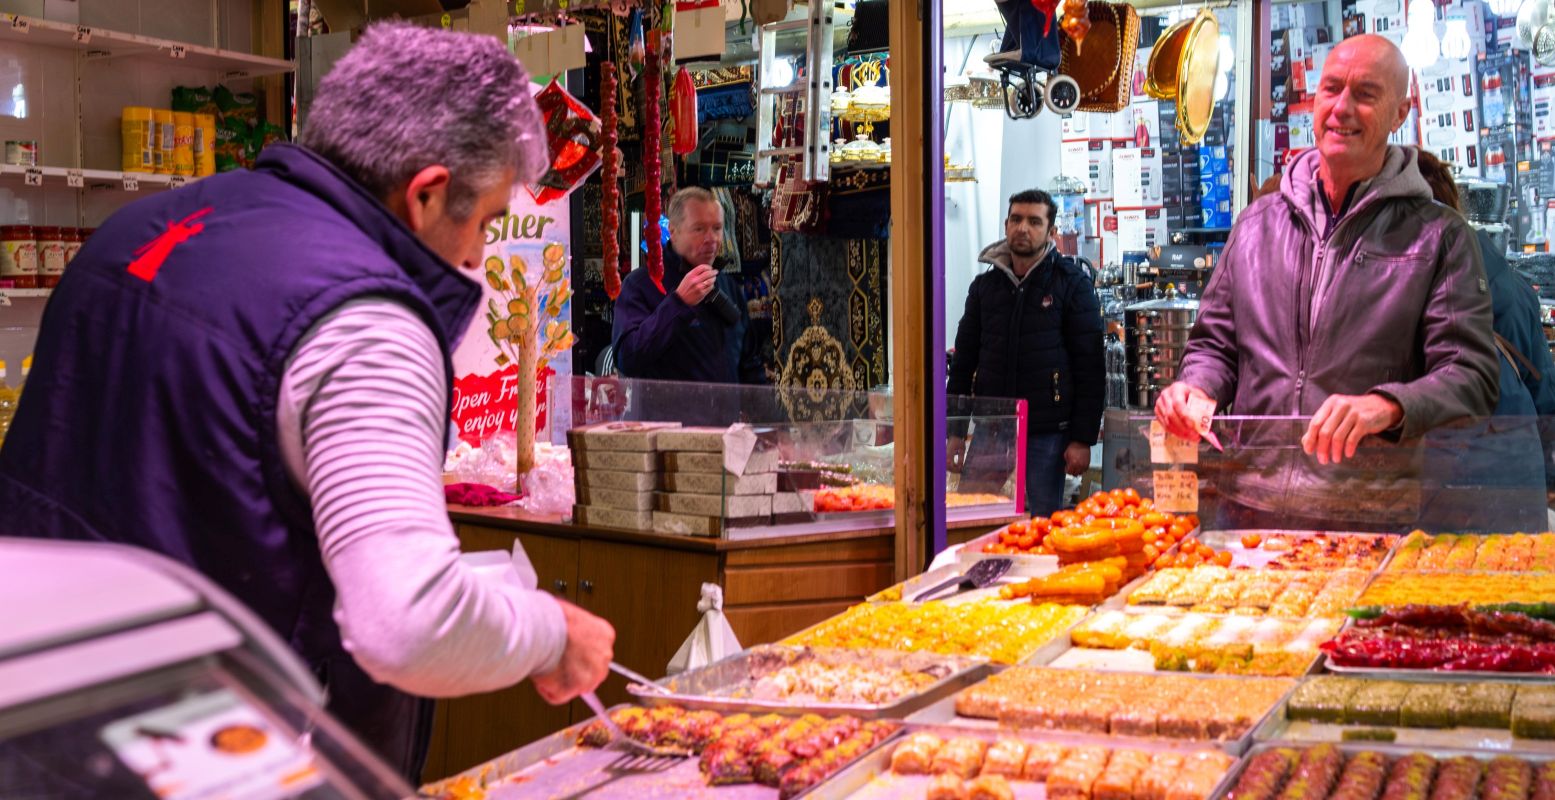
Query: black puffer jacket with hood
pixel 1038 338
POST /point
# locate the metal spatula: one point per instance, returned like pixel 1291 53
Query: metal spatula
pixel 979 575
pixel 617 735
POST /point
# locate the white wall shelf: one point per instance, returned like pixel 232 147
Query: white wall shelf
pixel 93 178
pixel 100 44
pixel 8 295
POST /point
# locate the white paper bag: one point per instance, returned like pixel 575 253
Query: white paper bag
pixel 711 640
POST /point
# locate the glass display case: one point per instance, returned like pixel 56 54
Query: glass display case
pixel 1485 476
pixel 128 676
pixel 731 460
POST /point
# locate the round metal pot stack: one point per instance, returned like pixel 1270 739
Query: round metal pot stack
pixel 1156 331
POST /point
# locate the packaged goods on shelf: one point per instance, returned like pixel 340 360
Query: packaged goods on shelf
pixel 1124 704
pixel 139 136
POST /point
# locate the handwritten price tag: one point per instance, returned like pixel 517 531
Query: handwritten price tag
pixel 1168 449
pixel 178 51
pixel 176 181
pixel 1176 491
pixel 33 176
pixel 83 34
pixel 131 183
pixel 20 24
pixel 74 179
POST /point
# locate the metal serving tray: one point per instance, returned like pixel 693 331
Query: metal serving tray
pixel 1392 751
pixel 715 686
pixel 1241 557
pixel 555 767
pixel 870 778
pixel 942 714
pixel 1278 727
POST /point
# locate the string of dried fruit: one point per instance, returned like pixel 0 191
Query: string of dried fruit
pixel 1076 22
pixel 610 189
pixel 653 200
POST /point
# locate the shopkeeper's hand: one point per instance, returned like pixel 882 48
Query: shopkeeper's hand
pixel 1171 410
pixel 697 284
pixel 585 662
pixel 1343 421
pixel 1077 458
pixel 955 454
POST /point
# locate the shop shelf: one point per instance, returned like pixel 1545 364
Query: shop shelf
pixel 92 178
pixel 96 43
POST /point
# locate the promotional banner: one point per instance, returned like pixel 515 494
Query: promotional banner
pixel 524 326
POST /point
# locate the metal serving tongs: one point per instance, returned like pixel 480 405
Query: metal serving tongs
pixel 638 678
pixel 981 574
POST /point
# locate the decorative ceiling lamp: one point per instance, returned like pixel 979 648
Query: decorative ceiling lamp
pixel 1505 8
pixel 1421 47
pixel 1456 44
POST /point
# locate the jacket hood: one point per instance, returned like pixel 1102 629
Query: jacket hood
pixel 998 255
pixel 1400 177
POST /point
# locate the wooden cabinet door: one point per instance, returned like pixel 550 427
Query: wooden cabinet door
pixel 474 729
pixel 650 595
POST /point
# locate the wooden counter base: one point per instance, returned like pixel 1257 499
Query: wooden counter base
pixel 647 585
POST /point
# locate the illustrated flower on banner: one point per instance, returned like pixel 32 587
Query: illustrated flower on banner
pixel 532 331
pixel 530 309
pixel 573 134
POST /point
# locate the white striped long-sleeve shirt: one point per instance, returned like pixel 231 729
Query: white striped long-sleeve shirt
pixel 362 427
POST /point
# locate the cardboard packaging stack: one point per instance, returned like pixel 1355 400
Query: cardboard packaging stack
pixel 616 471
pixel 712 477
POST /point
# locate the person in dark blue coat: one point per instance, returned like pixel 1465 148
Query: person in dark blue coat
pixel 1493 475
pixel 687 328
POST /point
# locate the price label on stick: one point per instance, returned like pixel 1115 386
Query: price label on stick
pixel 1176 491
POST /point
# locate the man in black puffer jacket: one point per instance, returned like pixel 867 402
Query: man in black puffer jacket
pixel 1032 330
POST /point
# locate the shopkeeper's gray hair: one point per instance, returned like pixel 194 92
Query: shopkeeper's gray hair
pixel 408 97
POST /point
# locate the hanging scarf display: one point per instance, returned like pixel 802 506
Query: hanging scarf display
pixel 610 189
pixel 653 198
pixel 683 110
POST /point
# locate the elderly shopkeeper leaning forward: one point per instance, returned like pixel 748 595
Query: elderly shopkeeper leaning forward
pixel 1349 296
pixel 251 375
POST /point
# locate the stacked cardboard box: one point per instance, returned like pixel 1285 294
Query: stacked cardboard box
pixel 616 473
pixel 701 493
